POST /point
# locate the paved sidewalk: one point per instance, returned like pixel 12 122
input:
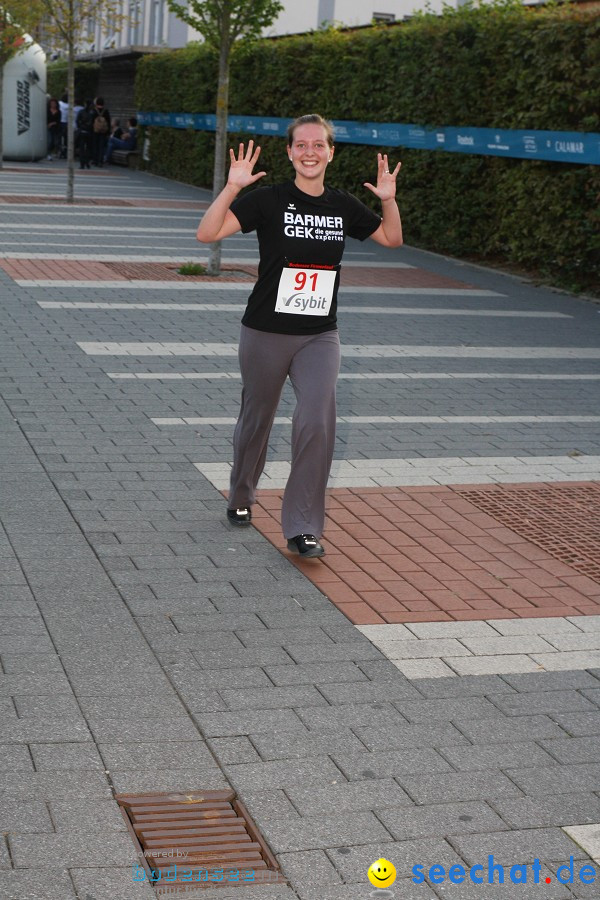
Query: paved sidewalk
pixel 429 692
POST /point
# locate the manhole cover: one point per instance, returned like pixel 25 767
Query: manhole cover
pixel 564 520
pixel 201 838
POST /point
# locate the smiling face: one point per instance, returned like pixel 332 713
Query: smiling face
pixel 381 873
pixel 310 152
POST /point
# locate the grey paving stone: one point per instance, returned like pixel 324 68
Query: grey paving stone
pixel 578 724
pixel 122 730
pixel 574 750
pixel 551 681
pixel 566 809
pixel 376 715
pixel 74 849
pixel 440 819
pixel 23 625
pixel 223 680
pixel 496 891
pixel 557 779
pixel 233 750
pixel 309 871
pixel 15 758
pixel 368 692
pixel 51 785
pixel 100 685
pixel 218 622
pixel 105 883
pixel 381 764
pixel 428 851
pixel 315 673
pixel 452 787
pixel 233 658
pixel 280 637
pixel 484 757
pixel 36 884
pixel 447 710
pixel 442 734
pixel 523 846
pixel 20 816
pixel 156 755
pixel 252 721
pixel 593 695
pixel 346 797
pixel 541 702
pixel 81 816
pixel 137 707
pixel 507 728
pixel 280 773
pixel 353 651
pixel 296 746
pixel 268 805
pixel 64 756
pixel 31 663
pixel 34 684
pixel 322 832
pixel 42 730
pixel 273 697
pixel 207 778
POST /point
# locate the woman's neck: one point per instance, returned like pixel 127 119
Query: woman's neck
pixel 313 188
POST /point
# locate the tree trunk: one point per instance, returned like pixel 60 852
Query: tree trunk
pixel 70 125
pixel 214 259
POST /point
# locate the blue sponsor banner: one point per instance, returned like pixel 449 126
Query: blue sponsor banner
pixel 557 146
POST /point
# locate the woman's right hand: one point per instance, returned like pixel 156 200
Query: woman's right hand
pixel 240 172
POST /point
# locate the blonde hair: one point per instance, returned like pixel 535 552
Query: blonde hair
pixel 310 119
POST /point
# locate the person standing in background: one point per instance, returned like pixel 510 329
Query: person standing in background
pixel 63 104
pixel 85 122
pixel 54 135
pixel 100 132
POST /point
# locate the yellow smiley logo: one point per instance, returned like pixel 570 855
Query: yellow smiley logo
pixel 381 873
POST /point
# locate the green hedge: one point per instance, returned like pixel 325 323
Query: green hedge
pixel 499 66
pixel 86 79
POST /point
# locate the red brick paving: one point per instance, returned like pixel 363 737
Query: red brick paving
pixel 84 270
pixel 92 270
pixel 431 554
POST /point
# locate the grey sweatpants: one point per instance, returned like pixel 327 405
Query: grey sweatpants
pixel 312 363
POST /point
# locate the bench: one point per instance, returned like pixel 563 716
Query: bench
pixel 125 158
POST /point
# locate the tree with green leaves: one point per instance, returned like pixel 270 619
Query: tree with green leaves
pixel 66 25
pixel 17 17
pixel 222 23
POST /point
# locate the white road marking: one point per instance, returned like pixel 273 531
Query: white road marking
pixel 375 376
pixel 450 649
pixel 363 310
pixel 363 351
pixel 422 471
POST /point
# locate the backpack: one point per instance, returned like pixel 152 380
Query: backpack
pixel 84 120
pixel 100 125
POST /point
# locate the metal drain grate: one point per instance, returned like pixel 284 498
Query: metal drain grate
pixel 563 520
pixel 199 839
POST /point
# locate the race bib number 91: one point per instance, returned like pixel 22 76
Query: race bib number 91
pixel 305 292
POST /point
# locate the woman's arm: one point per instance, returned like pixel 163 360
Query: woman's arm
pixel 218 221
pixel 389 233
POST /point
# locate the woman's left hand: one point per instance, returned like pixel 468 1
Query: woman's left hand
pixel 386 180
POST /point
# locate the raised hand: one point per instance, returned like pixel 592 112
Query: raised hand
pixel 385 188
pixel 240 172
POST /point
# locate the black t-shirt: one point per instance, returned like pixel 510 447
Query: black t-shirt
pixel 295 229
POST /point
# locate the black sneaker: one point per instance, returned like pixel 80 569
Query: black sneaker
pixel 241 516
pixel 306 545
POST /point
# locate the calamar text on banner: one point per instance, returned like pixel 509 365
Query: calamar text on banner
pixel 305 292
pixel 553 146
